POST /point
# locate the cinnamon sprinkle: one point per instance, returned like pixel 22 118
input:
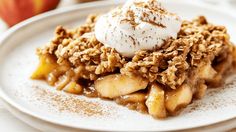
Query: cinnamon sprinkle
pixel 154 23
pixel 134 43
pixel 71 103
pixel 151 6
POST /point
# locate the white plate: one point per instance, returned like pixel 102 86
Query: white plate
pixel 45 108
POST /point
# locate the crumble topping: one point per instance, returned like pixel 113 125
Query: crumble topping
pixel 80 49
pixel 198 43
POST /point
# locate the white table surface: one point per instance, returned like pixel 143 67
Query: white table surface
pixel 9 123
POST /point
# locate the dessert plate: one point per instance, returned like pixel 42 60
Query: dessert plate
pixel 43 107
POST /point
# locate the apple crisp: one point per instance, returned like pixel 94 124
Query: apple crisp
pixel 160 82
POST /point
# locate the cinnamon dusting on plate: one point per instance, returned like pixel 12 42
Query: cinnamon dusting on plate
pixel 70 103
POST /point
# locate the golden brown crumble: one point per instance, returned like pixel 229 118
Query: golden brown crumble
pixel 86 54
pixel 197 42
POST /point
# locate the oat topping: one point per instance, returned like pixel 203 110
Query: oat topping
pixel 83 51
pixel 197 42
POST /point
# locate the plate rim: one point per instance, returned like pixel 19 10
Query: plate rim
pixel 43 16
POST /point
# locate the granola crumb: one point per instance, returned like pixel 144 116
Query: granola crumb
pixel 198 42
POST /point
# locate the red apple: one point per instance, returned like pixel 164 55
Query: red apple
pixel 15 11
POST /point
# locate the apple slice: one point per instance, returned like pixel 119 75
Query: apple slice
pixel 134 97
pixel 73 88
pixel 206 72
pixel 46 65
pixel 179 98
pixel 116 85
pixel 200 91
pixel 156 102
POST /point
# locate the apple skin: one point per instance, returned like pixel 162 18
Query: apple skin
pixel 15 11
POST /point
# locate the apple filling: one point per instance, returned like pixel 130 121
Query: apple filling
pixel 159 82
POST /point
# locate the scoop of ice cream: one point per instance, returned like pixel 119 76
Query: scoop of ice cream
pixel 137 25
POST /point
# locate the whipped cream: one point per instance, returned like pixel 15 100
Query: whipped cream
pixel 137 25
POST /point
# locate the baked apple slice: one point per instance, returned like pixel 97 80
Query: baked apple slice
pixel 179 98
pixel 116 85
pixel 156 102
pixel 46 65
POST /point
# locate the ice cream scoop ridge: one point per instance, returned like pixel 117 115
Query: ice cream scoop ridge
pixel 137 25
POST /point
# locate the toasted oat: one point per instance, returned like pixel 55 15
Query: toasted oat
pixel 198 42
